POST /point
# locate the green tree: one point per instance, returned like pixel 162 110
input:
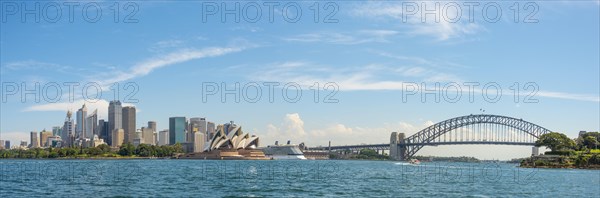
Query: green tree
pixel 144 150
pixel 590 142
pixel 94 151
pixel 104 148
pixel 555 141
pixel 127 149
pixel 177 148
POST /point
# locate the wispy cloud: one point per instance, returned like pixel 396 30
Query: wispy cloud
pixel 358 37
pixel 442 30
pixel 100 105
pixel 147 66
pixel 379 77
pixel 360 77
pixel 35 65
pixel 140 69
pixel 570 96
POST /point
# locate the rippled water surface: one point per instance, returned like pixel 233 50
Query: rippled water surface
pixel 309 178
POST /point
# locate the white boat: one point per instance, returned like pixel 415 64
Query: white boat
pixel 414 161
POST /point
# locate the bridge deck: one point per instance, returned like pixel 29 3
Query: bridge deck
pixel 386 146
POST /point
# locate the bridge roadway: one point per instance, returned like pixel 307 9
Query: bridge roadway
pixel 387 146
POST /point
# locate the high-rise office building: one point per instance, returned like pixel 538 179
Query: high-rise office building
pixel 44 138
pixel 152 125
pixel 91 125
pixel 117 137
pixel 68 130
pixel 210 130
pixel 177 131
pixel 7 144
pixel 102 129
pixel 163 138
pixel 23 143
pixel 129 123
pixel 80 129
pixel 35 143
pixel 2 144
pixel 196 125
pixel 148 136
pixel 199 142
pixel 115 118
pixel 56 131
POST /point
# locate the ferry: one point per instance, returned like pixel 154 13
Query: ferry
pixel 284 152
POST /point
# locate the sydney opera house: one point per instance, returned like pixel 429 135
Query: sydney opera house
pixel 230 142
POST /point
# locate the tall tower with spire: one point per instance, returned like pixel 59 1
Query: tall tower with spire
pixel 68 131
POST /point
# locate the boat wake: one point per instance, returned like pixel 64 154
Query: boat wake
pixel 405 164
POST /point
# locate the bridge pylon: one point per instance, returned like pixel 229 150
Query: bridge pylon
pixel 397 152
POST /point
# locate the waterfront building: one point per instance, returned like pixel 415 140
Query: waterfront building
pixel 80 128
pixel 7 144
pixel 96 141
pixel 44 137
pixel 117 137
pixel 236 140
pixel 163 137
pixel 129 123
pixel 115 120
pixel 35 143
pixel 2 144
pixel 177 130
pixel 236 145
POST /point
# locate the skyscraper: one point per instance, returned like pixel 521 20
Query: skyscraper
pixel 117 137
pixel 68 131
pixel 44 138
pixel 35 143
pixel 2 144
pixel 56 131
pixel 103 132
pixel 129 124
pixel 163 138
pixel 210 130
pixel 81 119
pixel 199 142
pixel 152 125
pixel 7 144
pixel 91 125
pixel 148 136
pixel 176 130
pixel 115 120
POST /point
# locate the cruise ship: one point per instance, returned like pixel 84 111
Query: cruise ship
pixel 284 152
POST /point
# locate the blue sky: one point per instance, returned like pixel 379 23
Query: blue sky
pixel 369 53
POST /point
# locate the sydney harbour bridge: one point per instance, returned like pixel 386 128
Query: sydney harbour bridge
pixel 469 129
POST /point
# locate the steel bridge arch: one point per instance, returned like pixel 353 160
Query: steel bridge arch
pixel 417 141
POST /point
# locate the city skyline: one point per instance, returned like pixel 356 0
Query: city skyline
pixel 369 56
